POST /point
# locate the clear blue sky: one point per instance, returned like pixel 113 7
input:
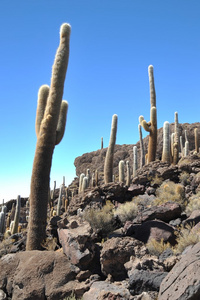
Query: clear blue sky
pixel 112 44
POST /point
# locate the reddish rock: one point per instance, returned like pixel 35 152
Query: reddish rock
pixel 150 230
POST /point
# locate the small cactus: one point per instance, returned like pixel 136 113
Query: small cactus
pixel 108 165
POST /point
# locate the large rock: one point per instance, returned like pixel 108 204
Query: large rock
pixel 142 280
pixel 77 241
pixel 38 275
pixel 115 253
pixel 165 212
pixel 183 281
pixel 154 229
pixel 104 290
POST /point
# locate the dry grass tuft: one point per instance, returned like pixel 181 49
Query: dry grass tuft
pixel 156 248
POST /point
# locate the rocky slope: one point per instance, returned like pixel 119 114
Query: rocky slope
pixel 97 250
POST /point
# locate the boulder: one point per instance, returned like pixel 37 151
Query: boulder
pixel 38 275
pixel 115 253
pixel 154 229
pixel 165 212
pixel 183 281
pixel 100 290
pixel 77 241
pixel 143 281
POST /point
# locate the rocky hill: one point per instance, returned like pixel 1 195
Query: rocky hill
pixel 95 160
pixel 112 241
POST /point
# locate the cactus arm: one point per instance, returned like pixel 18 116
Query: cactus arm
pixel 108 165
pixel 61 122
pixel 42 101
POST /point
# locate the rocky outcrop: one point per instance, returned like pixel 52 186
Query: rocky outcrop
pixel 183 281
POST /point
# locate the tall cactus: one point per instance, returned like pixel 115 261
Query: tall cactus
pixel 135 160
pixel 50 126
pixel 176 144
pixel 108 165
pixel 128 174
pixel 196 139
pixel 17 215
pixel 121 171
pixel 151 126
pixel 166 143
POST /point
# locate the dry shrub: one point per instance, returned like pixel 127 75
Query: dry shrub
pixel 156 248
pixel 186 237
pixel 193 204
pixel 170 191
pixel 184 178
pixel 127 211
pixel 101 220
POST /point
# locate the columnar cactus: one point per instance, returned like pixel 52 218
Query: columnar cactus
pixel 181 145
pixel 176 141
pixel 60 200
pixel 172 144
pixel 17 215
pixel 2 222
pixel 151 126
pixel 186 148
pixel 135 160
pixel 81 182
pixel 96 175
pixel 166 143
pixel 108 165
pixel 142 156
pixel 88 175
pixel 84 183
pixel 121 171
pixel 128 174
pixel 101 142
pixel 50 126
pixel 196 139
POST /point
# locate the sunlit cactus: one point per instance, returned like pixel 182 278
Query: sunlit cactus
pixel 108 165
pixel 50 126
pixel 151 126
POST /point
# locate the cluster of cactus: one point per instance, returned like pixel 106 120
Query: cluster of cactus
pixel 50 127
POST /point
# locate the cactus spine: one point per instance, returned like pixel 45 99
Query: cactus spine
pixel 151 126
pixel 17 214
pixel 166 143
pixel 135 162
pixel 108 165
pixel 196 139
pixel 50 126
pixel 121 171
